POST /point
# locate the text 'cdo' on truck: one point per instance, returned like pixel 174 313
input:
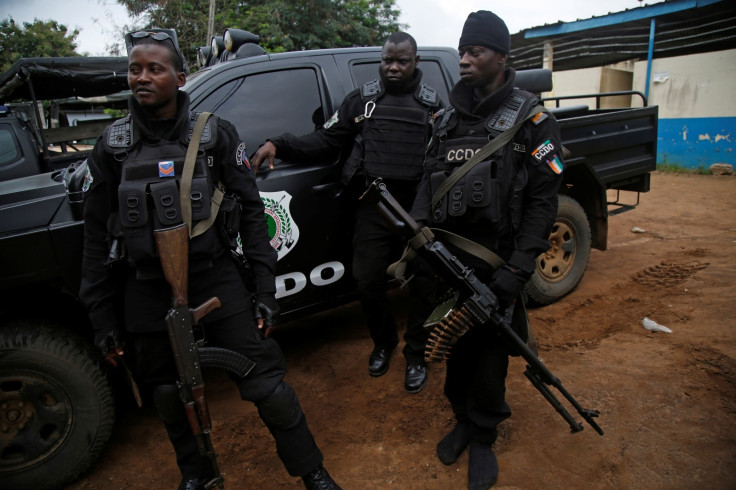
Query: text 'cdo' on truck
pixel 56 403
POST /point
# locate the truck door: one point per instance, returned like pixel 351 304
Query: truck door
pixel 304 206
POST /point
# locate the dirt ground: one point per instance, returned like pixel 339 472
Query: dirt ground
pixel 667 400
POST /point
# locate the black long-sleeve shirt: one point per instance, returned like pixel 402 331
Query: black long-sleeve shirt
pixel 539 192
pixel 147 301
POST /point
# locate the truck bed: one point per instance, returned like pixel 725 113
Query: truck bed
pixel 621 145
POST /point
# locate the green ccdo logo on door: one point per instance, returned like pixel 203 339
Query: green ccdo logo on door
pixel 282 229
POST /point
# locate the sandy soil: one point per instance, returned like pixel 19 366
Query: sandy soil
pixel 667 400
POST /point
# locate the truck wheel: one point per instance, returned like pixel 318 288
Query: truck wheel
pixel 56 407
pixel 560 269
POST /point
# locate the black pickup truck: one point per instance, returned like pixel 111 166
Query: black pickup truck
pixel 56 404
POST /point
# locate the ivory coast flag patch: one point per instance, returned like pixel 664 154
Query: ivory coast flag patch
pixel 555 164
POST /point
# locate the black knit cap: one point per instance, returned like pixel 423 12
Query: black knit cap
pixel 484 28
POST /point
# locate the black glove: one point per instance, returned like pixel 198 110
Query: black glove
pixel 266 309
pixel 506 283
pixel 110 343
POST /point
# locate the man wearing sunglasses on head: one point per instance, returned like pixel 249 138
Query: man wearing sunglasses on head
pixel 131 172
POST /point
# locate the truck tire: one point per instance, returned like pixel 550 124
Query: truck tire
pixel 56 407
pixel 560 269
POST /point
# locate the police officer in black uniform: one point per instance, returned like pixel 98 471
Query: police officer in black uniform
pixel 134 169
pixel 388 123
pixel 506 203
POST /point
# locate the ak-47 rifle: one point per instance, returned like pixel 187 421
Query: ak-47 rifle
pixel 479 304
pixel 190 355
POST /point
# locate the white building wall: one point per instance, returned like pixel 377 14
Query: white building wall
pixel 590 81
pixel 696 96
pixel 576 82
pixel 699 85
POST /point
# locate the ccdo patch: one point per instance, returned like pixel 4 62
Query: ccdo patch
pixel 240 156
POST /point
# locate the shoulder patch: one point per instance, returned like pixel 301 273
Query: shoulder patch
pixel 88 180
pixel 555 164
pixel 539 118
pixel 240 156
pixel 332 120
pixel 543 150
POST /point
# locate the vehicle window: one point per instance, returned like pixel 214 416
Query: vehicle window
pixel 214 100
pixel 9 151
pixel 364 72
pixel 265 105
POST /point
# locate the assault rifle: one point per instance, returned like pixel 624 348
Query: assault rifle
pixel 479 304
pixel 190 355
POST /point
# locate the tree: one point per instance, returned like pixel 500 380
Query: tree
pixel 37 39
pixel 283 25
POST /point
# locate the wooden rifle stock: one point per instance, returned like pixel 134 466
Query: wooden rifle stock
pixel 173 250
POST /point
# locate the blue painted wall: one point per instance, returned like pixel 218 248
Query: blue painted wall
pixel 697 142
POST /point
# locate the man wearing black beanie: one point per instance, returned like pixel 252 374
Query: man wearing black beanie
pixel 484 28
pixel 507 203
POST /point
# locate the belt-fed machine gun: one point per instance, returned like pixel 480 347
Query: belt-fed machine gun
pixel 190 355
pixel 478 304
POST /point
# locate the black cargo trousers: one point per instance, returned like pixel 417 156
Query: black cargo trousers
pixel 154 367
pixel 375 247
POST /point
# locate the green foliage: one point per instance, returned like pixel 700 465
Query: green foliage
pixel 116 113
pixel 36 39
pixel 677 169
pixel 283 25
pixel 672 167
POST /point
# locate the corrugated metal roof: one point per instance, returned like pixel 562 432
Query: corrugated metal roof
pixel 680 27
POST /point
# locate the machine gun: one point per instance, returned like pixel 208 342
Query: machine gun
pixel 190 355
pixel 479 305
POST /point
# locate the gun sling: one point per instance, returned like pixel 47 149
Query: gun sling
pixel 186 182
pixel 479 307
pixel 397 269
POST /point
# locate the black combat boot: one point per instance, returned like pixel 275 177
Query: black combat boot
pixel 379 361
pixel 319 479
pixel 454 443
pixel 482 466
pixel 416 377
pixel 194 483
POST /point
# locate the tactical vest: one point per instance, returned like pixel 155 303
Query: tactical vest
pixel 394 132
pixel 148 194
pixel 488 194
